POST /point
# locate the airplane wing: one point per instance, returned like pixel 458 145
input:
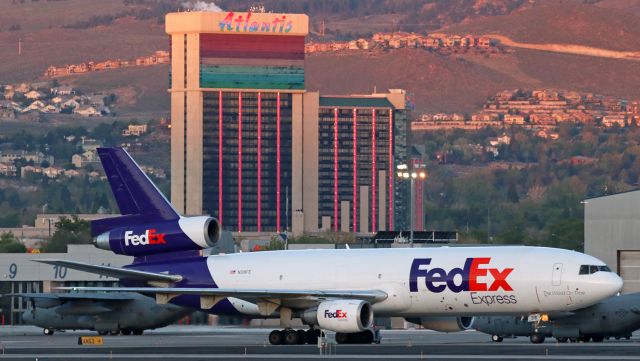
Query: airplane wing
pixel 266 299
pixel 116 272
pixel 77 303
pixel 76 296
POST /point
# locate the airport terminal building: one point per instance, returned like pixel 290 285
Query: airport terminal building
pixel 252 147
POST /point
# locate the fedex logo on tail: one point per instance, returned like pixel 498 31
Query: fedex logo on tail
pixel 150 236
pixel 474 276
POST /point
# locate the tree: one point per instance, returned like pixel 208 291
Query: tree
pixel 512 193
pixel 68 231
pixel 10 244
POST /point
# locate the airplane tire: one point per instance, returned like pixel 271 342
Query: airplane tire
pixel 138 332
pixel 276 337
pixel 562 339
pixel 311 336
pixel 126 331
pixel 302 337
pixel 584 338
pixel 597 338
pixel 48 331
pixel 536 338
pixel 291 337
pixel 342 338
pixel 496 338
pixel 364 337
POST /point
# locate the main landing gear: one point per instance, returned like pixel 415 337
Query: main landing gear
pixel 364 337
pixel 294 337
pixel 300 337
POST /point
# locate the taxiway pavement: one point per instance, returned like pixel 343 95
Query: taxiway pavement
pixel 206 343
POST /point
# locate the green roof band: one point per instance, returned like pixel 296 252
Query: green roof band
pixel 356 102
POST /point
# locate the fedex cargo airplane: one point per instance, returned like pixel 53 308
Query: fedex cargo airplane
pixel 337 290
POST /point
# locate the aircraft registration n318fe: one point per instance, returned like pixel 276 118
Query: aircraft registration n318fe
pixel 337 290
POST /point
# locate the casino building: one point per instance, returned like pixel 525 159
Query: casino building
pixel 253 148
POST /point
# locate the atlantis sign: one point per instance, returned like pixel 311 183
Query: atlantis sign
pixel 243 23
pixel 237 23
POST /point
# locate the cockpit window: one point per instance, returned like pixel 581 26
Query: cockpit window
pixel 591 269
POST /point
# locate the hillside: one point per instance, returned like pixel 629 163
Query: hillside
pixel 457 83
pixel 438 83
pixel 608 25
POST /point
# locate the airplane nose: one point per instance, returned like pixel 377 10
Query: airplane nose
pixel 617 284
pixel 610 285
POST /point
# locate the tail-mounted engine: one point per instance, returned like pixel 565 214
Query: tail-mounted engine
pixel 183 234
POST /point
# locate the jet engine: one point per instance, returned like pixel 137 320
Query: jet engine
pixel 346 316
pixel 184 234
pixel 444 323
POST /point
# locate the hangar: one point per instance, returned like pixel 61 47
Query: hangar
pixel 19 274
pixel 612 234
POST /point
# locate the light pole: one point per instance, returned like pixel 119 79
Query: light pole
pixel 412 175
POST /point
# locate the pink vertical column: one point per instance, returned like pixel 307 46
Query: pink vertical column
pixel 373 170
pixel 239 161
pixel 220 156
pixel 278 162
pixel 421 209
pixel 259 160
pixel 355 170
pixel 391 169
pixel 335 169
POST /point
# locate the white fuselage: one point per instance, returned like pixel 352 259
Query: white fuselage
pixel 496 280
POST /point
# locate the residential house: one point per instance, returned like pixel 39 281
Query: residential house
pixel 70 173
pixel 22 88
pixel 497 141
pixel 37 105
pixel 82 160
pixel 484 117
pixel 515 119
pixel 30 169
pixel 52 172
pixel 614 119
pixel 484 42
pixel 10 156
pixel 541 119
pixel 468 41
pixel 87 111
pixel 33 95
pixel 8 169
pixel 135 130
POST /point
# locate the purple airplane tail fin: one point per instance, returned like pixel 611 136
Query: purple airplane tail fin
pixel 139 200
